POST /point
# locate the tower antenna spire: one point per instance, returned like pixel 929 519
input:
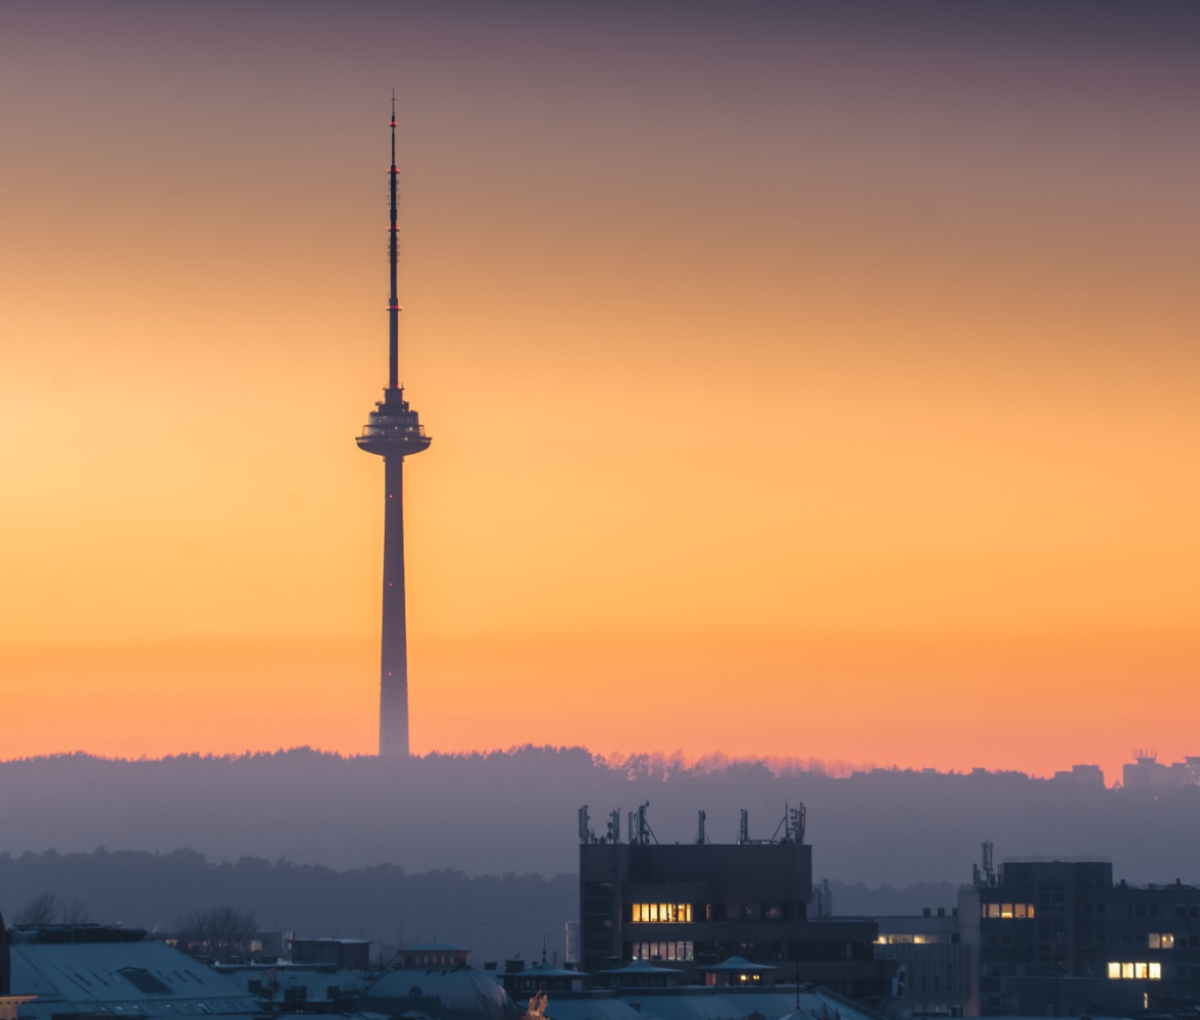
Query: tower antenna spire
pixel 393 260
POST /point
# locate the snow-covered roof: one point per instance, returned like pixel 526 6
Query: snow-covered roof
pixel 641 967
pixel 128 979
pixel 449 993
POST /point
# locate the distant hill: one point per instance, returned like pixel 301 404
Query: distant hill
pixel 515 812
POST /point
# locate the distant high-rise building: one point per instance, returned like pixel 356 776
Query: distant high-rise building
pixel 393 432
pixel 1148 773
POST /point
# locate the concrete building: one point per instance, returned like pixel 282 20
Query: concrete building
pixel 696 907
pixel 933 966
pixel 1032 923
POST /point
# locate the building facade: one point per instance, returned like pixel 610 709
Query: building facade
pixel 1107 943
pixel 692 907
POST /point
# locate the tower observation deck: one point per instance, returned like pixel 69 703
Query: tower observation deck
pixel 393 432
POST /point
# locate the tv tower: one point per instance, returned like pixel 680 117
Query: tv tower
pixel 393 432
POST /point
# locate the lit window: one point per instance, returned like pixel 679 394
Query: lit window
pixel 636 915
pixel 653 912
pixel 1019 909
pixel 1006 910
pixel 993 910
pixel 1155 941
pixel 1140 970
pixel 1127 970
pixel 1156 972
pixel 1114 971
pixel 1031 910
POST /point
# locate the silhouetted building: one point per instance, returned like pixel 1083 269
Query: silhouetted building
pixel 339 954
pixel 1146 773
pixel 434 954
pixel 522 981
pixel 393 432
pixel 1082 775
pixel 1032 922
pixel 734 913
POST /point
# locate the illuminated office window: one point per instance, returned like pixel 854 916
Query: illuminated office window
pixel 1155 972
pixel 993 910
pixel 1006 910
pixel 1141 970
pixel 658 913
pixel 1114 971
pixel 1126 970
pixel 1019 909
pixel 1031 910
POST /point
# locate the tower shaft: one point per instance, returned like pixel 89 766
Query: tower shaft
pixel 393 675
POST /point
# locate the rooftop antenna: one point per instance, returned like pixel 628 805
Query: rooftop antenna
pixel 701 836
pixel 614 826
pixel 585 832
pixel 639 829
pixel 785 824
pixel 744 827
pixel 989 872
pixel 799 822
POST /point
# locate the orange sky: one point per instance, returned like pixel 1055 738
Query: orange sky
pixel 821 388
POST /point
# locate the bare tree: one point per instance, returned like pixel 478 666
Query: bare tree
pixel 219 934
pixel 42 909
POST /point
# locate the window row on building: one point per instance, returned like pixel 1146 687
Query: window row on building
pixel 658 913
pixel 1131 910
pixel 911 940
pixel 664 951
pixel 684 913
pixel 1136 971
pixel 1006 910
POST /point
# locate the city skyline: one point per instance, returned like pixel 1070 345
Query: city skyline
pixel 808 383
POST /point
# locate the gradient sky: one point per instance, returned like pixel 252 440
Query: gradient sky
pixel 812 380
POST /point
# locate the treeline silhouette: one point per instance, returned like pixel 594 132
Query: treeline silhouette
pixel 515 811
pixel 182 892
